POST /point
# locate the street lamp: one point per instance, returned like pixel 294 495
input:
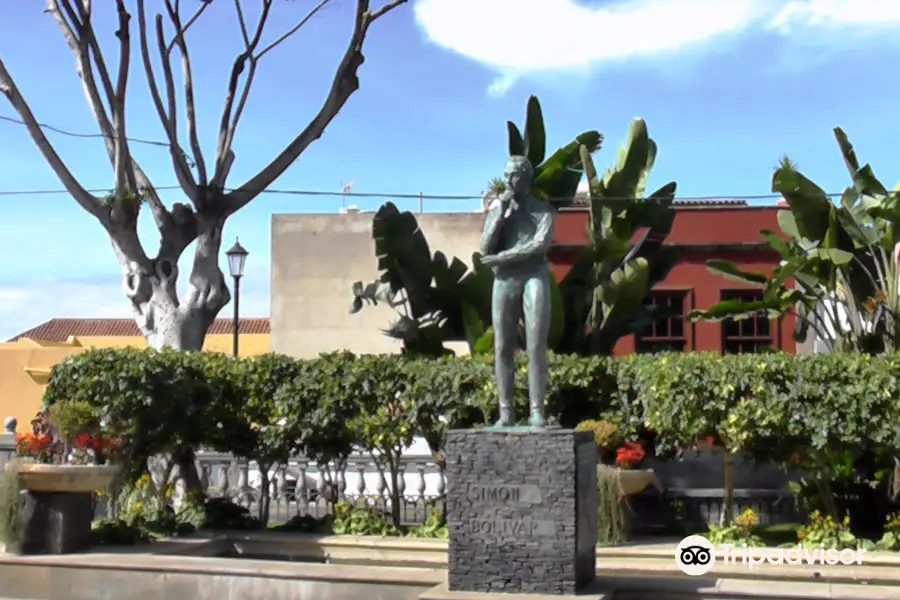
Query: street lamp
pixel 237 256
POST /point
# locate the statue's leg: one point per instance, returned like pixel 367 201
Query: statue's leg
pixel 505 310
pixel 536 302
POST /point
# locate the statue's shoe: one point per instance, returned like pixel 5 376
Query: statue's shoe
pixel 537 419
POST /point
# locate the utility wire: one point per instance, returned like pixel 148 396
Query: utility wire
pixel 84 135
pixel 724 199
pixel 320 193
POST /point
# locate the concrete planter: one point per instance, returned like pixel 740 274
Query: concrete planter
pixel 77 479
pixel 56 505
pixel 633 481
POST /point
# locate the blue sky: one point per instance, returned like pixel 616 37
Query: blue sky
pixel 726 87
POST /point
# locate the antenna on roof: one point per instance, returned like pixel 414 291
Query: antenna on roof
pixel 345 189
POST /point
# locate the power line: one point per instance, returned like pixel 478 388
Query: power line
pixel 319 193
pixel 395 196
pixel 85 135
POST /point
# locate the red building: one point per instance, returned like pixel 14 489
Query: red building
pixel 725 229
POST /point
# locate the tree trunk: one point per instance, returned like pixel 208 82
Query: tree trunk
pixel 151 285
pixel 728 495
pixel 163 319
pixel 394 462
pixel 264 494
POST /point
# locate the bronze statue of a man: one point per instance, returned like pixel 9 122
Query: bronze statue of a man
pixel 518 231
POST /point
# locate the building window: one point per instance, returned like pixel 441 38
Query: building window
pixel 744 336
pixel 665 334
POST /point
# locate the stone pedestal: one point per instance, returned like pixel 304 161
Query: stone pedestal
pixel 521 510
pixel 55 522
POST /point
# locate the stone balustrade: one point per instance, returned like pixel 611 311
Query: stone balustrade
pixel 301 487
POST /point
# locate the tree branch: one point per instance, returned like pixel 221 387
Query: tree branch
pixel 79 35
pixel 345 83
pixel 168 121
pixel 85 199
pixel 242 22
pixel 75 38
pixel 190 109
pixel 293 29
pixel 123 165
pixel 224 155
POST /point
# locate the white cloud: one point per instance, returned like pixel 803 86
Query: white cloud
pixel 516 38
pixel 796 14
pixel 26 304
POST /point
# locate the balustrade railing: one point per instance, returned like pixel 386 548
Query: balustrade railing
pixel 301 487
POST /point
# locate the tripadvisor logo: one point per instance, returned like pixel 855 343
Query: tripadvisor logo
pixel 795 555
pixel 696 555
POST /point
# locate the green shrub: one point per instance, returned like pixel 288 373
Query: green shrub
pixel 802 410
pixel 826 532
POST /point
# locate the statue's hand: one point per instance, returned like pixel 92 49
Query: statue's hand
pixel 490 260
pixel 508 203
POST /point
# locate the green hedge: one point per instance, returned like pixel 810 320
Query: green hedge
pixel 269 406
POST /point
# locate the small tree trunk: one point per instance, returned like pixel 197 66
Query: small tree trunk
pixel 262 508
pixel 394 462
pixel 728 495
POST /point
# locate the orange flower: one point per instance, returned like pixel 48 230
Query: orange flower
pixel 629 454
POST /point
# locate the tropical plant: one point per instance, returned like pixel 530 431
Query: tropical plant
pixel 604 292
pixel 440 300
pixel 429 291
pixel 556 177
pixel 838 273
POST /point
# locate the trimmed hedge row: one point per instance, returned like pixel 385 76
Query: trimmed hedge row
pixel 265 406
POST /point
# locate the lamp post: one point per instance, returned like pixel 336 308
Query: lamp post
pixel 237 256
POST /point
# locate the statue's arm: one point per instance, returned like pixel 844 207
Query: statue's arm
pixel 492 228
pixel 537 245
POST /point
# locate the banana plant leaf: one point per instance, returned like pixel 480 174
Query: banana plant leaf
pixel 535 145
pixel 556 179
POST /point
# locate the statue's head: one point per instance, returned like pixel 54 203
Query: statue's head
pixel 518 174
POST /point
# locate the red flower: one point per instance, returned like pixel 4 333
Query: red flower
pixel 32 444
pixel 629 454
pixel 83 441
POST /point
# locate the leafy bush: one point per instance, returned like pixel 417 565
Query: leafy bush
pixel 824 531
pixel 891 538
pixel 740 532
pixel 435 526
pixel 802 410
pixel 362 520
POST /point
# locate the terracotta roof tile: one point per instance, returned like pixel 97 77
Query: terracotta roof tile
pixel 59 330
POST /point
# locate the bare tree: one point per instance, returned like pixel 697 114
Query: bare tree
pixel 150 282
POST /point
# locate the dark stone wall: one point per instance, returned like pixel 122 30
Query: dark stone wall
pixel 521 510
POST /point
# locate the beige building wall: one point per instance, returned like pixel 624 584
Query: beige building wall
pixel 315 260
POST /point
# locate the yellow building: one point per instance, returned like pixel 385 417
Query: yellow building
pixel 26 359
